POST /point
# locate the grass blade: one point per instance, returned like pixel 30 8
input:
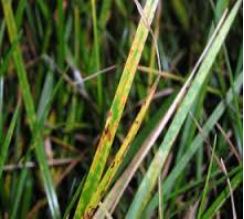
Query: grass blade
pixel 7 140
pixel 19 191
pixel 205 189
pixel 29 106
pixel 230 188
pixel 73 201
pixel 1 108
pixel 222 197
pixel 97 52
pixel 116 110
pixel 61 34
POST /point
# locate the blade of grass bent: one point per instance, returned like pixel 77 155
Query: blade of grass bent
pixel 144 192
pixel 116 110
pixel 29 105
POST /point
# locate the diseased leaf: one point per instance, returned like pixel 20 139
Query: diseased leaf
pixel 116 110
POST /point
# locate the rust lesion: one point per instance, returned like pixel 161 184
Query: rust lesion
pixel 137 122
pixel 89 213
pixel 110 113
pixel 123 99
pixel 112 164
pixel 107 133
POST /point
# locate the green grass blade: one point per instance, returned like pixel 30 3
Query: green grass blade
pixel 214 178
pixel 45 96
pixel 105 14
pixel 2 30
pixel 1 108
pixel 7 57
pixel 7 140
pixel 26 198
pixel 97 53
pixel 9 19
pixel 73 200
pixel 223 196
pixel 205 189
pixel 19 12
pixel 29 106
pixel 144 192
pixel 116 110
pixel 19 191
pixel 181 12
pixel 61 34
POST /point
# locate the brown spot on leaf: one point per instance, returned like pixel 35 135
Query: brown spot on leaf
pixel 89 214
pixel 113 163
pixel 107 133
pixel 110 113
pixel 123 99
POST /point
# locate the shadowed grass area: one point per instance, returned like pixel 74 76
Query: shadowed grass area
pixel 121 109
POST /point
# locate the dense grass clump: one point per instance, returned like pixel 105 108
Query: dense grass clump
pixel 121 109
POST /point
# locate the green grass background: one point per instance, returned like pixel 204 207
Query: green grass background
pixel 82 94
